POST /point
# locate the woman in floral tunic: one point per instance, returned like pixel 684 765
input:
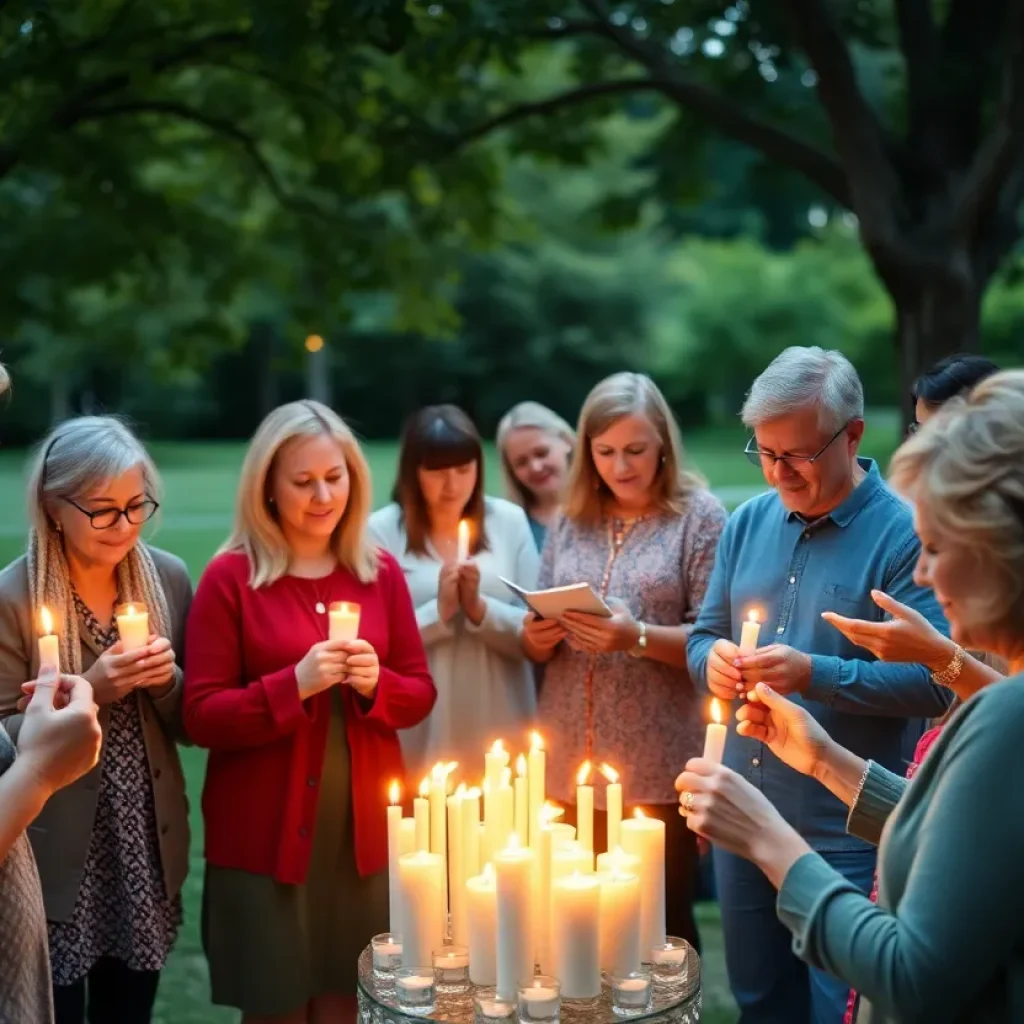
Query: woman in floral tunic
pixel 642 531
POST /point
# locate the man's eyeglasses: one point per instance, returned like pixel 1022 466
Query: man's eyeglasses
pixel 107 518
pixel 757 457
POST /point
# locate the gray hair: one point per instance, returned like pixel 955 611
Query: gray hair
pixel 803 378
pixel 5 379
pixel 73 458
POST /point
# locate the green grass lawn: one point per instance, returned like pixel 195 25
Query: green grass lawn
pixel 200 483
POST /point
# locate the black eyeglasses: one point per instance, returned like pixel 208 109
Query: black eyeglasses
pixel 107 518
pixel 757 456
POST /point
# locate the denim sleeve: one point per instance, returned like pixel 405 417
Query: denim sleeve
pixel 715 619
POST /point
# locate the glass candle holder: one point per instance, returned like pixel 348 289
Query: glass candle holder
pixel 415 989
pixel 451 968
pixel 387 955
pixel 668 961
pixel 539 1000
pixel 631 993
pixel 489 1009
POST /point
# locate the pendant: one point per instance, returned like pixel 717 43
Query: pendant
pixel 320 608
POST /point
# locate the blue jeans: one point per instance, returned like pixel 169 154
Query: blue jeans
pixel 770 984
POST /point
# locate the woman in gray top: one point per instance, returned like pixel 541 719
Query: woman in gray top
pixel 945 941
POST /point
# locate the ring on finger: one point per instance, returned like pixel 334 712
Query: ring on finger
pixel 687 802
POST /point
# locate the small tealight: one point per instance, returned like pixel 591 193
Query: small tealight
pixel 489 1009
pixel 415 989
pixel 538 999
pixel 387 955
pixel 668 961
pixel 631 993
pixel 451 968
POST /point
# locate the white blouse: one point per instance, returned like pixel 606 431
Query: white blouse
pixel 485 685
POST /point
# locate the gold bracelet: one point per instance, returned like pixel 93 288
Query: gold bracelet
pixel 951 672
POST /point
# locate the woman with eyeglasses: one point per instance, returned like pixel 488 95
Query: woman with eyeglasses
pixel 112 848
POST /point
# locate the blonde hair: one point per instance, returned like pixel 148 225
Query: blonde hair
pixel 5 379
pixel 537 417
pixel 967 465
pixel 75 457
pixel 627 394
pixel 256 530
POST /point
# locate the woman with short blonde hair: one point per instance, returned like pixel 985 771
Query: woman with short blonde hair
pixel 300 722
pixel 639 526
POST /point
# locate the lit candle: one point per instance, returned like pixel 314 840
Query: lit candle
pixel 562 833
pixel 613 804
pixel 471 863
pixel 504 802
pixel 542 904
pixel 438 822
pixel 514 869
pixel 132 625
pixel 420 910
pixel 457 866
pixel 749 633
pixel 343 617
pixel 584 808
pixel 421 815
pixel 495 762
pixel 463 542
pixel 394 852
pixel 619 940
pixel 49 644
pixel 575 913
pixel 569 858
pixel 535 772
pixel 714 738
pixel 644 837
pixel 618 860
pixel 482 922
pixel 521 813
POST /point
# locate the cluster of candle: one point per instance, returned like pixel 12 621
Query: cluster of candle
pixel 132 627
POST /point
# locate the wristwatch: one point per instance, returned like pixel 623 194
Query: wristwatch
pixel 640 648
pixel 951 672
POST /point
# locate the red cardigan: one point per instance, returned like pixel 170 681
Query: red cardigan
pixel 241 700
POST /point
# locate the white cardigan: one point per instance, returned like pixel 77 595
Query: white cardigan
pixel 485 685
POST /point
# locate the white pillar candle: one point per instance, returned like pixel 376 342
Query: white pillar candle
pixel 49 644
pixel 521 814
pixel 457 867
pixel 394 852
pixel 495 762
pixel 613 804
pixel 535 769
pixel 618 860
pixel 421 816
pixel 506 800
pixel 439 825
pixel 472 864
pixel 575 913
pixel 420 907
pixel 714 738
pixel 561 833
pixel 343 621
pixel 513 867
pixel 619 943
pixel 462 550
pixel 584 808
pixel 482 926
pixel 570 858
pixel 644 837
pixel 542 892
pixel 132 625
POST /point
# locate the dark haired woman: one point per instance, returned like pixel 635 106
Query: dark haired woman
pixel 949 377
pixel 470 624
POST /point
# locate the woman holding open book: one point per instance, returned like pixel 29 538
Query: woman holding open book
pixel 642 530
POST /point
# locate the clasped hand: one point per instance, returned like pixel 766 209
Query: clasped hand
pixel 598 635
pixel 458 586
pixel 329 662
pixel 731 673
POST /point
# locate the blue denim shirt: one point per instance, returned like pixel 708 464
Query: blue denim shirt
pixel 792 571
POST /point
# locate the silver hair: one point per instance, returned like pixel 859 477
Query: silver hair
pixel 804 378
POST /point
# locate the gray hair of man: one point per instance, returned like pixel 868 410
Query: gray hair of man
pixel 803 378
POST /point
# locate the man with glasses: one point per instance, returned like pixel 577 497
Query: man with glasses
pixel 828 533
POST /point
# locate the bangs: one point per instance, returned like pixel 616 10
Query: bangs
pixel 442 445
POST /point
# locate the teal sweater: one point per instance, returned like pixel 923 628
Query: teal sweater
pixel 946 939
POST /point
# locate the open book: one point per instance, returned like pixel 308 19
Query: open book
pixel 553 603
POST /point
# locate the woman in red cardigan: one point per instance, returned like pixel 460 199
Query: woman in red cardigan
pixel 301 729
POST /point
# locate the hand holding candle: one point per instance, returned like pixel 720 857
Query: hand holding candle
pixel 750 632
pixel 343 617
pixel 132 625
pixel 714 738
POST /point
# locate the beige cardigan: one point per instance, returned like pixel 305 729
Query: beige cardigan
pixel 61 834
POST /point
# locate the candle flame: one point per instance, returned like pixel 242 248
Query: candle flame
pixel 536 741
pixel 461 791
pixel 752 616
pixel 583 774
pixel 506 777
pixel 463 532
pixel 497 747
pixel 549 812
pixel 425 788
pixel 609 773
pixel 638 813
pixel 395 792
pixel 130 610
pixel 521 766
pixel 45 619
pixel 473 793
pixel 450 767
pixel 437 772
pixel 716 711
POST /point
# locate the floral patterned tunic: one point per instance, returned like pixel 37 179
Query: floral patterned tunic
pixel 641 716
pixel 122 909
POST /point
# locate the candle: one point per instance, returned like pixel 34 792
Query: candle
pixel 482 921
pixel 463 542
pixel 541 1000
pixel 644 837
pixel 421 816
pixel 343 617
pixel 619 939
pixel 749 633
pixel 514 869
pixel 535 773
pixel 584 808
pixel 132 625
pixel 457 866
pixel 613 803
pixel 495 762
pixel 542 892
pixel 569 858
pixel 438 823
pixel 618 860
pixel 498 814
pixel 420 906
pixel 471 863
pixel 575 912
pixel 394 852
pixel 49 644
pixel 521 814
pixel 561 833
pixel 714 738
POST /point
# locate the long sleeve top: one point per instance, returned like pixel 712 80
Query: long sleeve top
pixel 945 941
pixel 266 744
pixel 485 685
pixel 791 571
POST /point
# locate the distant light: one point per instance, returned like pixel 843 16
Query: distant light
pixel 817 216
pixel 768 72
pixel 809 79
pixel 713 47
pixel 723 27
pixel 314 343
